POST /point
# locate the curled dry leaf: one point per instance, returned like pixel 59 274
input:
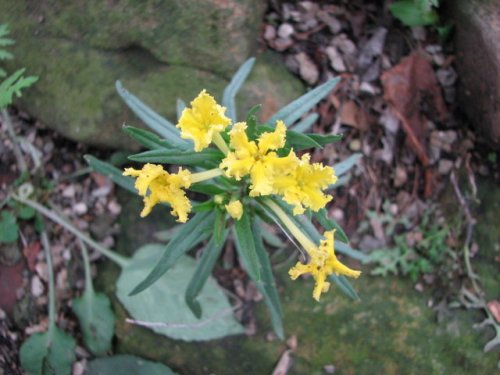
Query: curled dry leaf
pixel 494 308
pixel 406 87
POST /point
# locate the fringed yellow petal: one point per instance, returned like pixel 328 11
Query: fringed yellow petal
pixel 202 121
pixel 273 141
pixel 163 188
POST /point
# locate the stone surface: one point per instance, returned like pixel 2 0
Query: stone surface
pixel 477 36
pixel 160 50
pixel 391 331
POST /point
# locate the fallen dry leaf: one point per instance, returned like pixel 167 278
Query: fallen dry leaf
pixel 408 86
pixel 284 363
pixel 494 308
pixel 31 253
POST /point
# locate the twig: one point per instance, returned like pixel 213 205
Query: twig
pixel 21 163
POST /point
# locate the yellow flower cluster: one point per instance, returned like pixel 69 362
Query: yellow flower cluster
pixel 322 263
pixel 299 182
pixel 164 188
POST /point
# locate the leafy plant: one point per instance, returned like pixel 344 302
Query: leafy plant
pixel 235 208
pixel 416 12
pixel 16 82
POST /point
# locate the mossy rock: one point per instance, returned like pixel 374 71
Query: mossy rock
pixel 391 330
pixel 160 50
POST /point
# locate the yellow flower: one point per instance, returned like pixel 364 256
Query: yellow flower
pixel 164 188
pixel 302 186
pixel 235 209
pixel 259 160
pixel 203 121
pixel 323 263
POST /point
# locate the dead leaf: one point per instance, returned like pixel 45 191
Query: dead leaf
pixel 284 363
pixel 353 115
pixel 307 69
pixel 494 308
pixel 409 86
pixel 30 253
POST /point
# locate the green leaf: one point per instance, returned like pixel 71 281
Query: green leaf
pixel 329 224
pixel 347 164
pixel 96 319
pixel 25 212
pixel 9 231
pixel 267 286
pixel 147 139
pixel 152 119
pixel 47 353
pixel 345 286
pixel 245 245
pixel 343 248
pixel 204 206
pixel 414 12
pixel 173 316
pixel 207 188
pixel 325 139
pixel 209 157
pixel 180 108
pixel 13 85
pixel 126 365
pixel 305 124
pixel 296 109
pixel 228 97
pixel 113 173
pixel 203 271
pixel 192 233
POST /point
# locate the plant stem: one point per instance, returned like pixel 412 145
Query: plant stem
pixel 50 274
pixel 111 255
pixel 205 175
pixel 23 167
pixel 290 225
pixel 221 143
pixel 86 265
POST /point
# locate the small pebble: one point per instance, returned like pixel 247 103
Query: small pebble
pixel 329 369
pixel 80 208
pixel 285 30
pixel 355 145
pixel 36 286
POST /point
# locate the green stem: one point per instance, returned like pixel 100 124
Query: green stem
pixel 15 146
pixel 220 143
pixel 290 225
pixel 50 274
pixel 206 175
pixel 111 255
pixel 86 265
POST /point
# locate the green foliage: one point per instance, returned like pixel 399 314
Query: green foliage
pixel 126 365
pixel 416 12
pixel 16 82
pixel 426 255
pixel 9 230
pixel 174 317
pixel 47 353
pixel 96 319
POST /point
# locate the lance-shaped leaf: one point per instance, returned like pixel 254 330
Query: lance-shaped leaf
pixel 343 248
pixel 267 285
pixel 209 157
pixel 51 352
pixel 245 245
pixel 148 139
pixel 344 166
pixel 325 139
pixel 205 265
pixel 345 286
pixel 126 365
pixel 96 319
pixel 180 108
pixel 229 95
pixel 305 124
pixel 329 224
pixel 152 119
pixel 192 233
pixel 207 188
pixel 296 109
pixel 112 172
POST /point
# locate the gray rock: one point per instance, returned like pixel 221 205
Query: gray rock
pixel 477 25
pixel 160 50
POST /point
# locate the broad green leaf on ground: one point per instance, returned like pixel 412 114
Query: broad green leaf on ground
pixel 9 231
pixel 415 12
pixel 96 319
pixel 112 172
pixel 163 302
pixel 192 233
pixel 126 365
pixel 51 352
